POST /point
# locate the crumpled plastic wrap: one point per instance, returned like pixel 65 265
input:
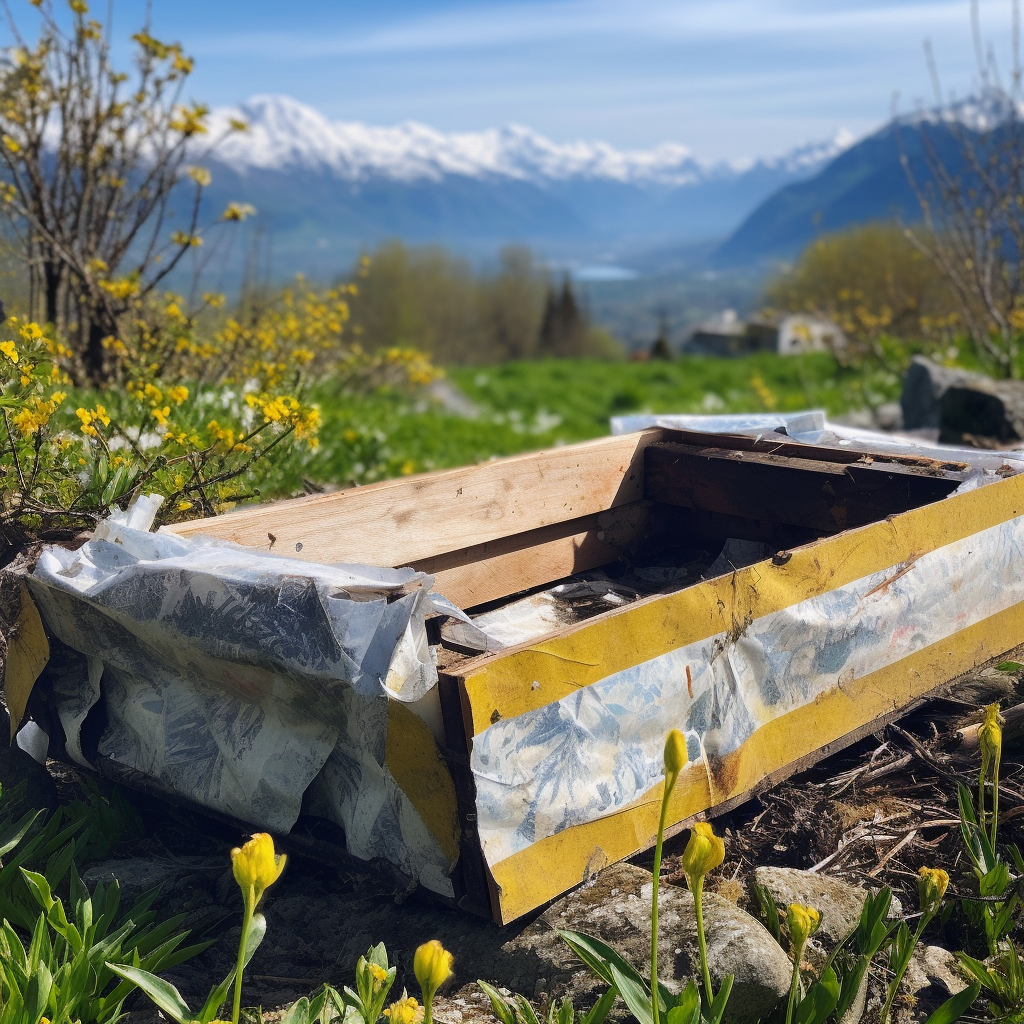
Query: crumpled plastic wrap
pixel 242 680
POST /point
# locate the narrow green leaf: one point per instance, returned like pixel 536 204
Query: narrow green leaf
pixel 634 994
pixel 597 1013
pixel 721 999
pixel 501 1008
pixel 953 1008
pixel 162 993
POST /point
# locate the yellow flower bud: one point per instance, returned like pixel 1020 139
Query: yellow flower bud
pixel 432 966
pixel 675 753
pixel 990 738
pixel 931 887
pixel 803 922
pixel 256 866
pixel 703 853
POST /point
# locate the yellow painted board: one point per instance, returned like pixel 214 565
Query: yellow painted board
pixel 511 683
pixel 553 865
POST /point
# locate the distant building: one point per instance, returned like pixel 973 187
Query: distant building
pixel 786 334
pixel 722 335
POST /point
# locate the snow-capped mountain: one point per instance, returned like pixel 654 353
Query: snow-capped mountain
pixel 285 134
pixel 326 189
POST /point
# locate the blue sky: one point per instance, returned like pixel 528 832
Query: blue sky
pixel 729 78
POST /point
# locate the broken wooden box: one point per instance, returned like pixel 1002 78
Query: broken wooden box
pixel 772 599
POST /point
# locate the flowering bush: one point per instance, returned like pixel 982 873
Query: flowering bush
pixel 195 410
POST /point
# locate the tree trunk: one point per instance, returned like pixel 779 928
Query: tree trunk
pixel 51 290
pixel 94 357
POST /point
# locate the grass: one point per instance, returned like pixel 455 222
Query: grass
pixel 524 406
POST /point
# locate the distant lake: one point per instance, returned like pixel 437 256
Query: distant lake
pixel 604 273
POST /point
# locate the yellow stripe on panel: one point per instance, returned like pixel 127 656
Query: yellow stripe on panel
pixel 555 864
pixel 524 679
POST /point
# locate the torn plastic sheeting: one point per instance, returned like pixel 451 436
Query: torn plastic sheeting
pixel 234 677
pixel 812 427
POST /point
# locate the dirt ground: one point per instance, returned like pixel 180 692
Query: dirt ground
pixel 871 814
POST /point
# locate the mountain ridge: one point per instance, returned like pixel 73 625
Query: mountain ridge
pixel 285 134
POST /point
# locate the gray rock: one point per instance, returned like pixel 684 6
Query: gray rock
pixel 985 413
pixel 924 384
pixel 888 416
pixel 839 902
pixel 616 907
pixel 933 965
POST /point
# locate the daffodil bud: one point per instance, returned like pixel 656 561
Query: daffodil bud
pixel 256 866
pixel 432 966
pixel 675 752
pixel 703 853
pixel 803 922
pixel 931 887
pixel 990 737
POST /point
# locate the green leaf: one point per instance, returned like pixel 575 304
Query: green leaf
pixel 953 1008
pixel 768 911
pixel 297 1013
pixel 1010 666
pixel 525 1011
pixel 820 1000
pixel 37 993
pixel 687 1006
pixel 600 957
pixel 597 1013
pixel 162 993
pixel 14 834
pixel 499 1005
pixel 634 994
pixel 721 1000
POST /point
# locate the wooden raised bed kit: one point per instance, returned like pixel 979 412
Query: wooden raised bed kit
pixel 877 588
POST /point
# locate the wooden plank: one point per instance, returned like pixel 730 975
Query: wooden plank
pixel 486 572
pixel 397 522
pixel 799 450
pixel 818 495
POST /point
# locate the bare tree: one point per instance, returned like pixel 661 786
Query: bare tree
pixel 94 161
pixel 970 186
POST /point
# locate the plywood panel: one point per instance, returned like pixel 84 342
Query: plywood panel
pixel 397 522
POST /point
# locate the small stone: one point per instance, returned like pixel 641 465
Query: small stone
pixel 839 902
pixel 737 943
pixel 933 965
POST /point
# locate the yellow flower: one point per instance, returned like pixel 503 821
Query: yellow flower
pixel 931 887
pixel 200 175
pixel 803 922
pixel 10 350
pixel 432 966
pixel 160 415
pixel 703 853
pixel 990 736
pixel 90 417
pixel 237 211
pixel 178 394
pixel 378 974
pixel 256 866
pixel 405 1011
pixel 184 506
pixel 675 753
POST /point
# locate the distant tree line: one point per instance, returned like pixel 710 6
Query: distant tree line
pixel 430 299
